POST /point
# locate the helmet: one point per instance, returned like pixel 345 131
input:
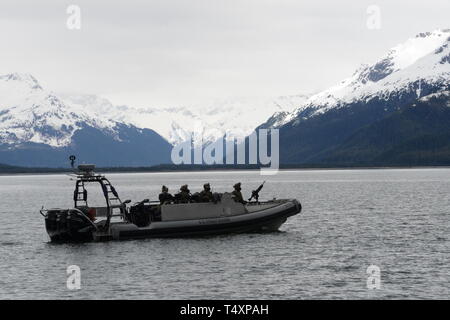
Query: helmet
pixel 237 185
pixel 164 189
pixel 206 186
pixel 184 187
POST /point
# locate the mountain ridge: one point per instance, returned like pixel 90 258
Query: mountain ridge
pixel 326 120
pixel 419 60
pixel 39 127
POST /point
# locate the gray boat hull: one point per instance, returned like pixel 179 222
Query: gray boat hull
pixel 179 220
pixel 268 220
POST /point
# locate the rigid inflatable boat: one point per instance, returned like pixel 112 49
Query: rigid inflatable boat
pixel 147 219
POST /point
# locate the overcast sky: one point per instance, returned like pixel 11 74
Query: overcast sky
pixel 177 52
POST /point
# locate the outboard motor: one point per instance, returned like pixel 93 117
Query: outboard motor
pixel 68 225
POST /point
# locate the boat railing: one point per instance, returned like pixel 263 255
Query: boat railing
pixel 146 201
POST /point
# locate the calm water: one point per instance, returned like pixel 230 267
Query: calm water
pixel 398 220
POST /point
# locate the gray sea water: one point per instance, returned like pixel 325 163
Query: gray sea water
pixel 398 220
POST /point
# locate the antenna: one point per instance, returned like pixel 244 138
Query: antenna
pixel 72 159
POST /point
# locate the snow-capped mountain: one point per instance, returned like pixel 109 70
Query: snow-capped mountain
pixel 237 117
pixel 371 119
pixel 38 129
pixel 34 118
pixel 418 63
pixel 41 128
pixel 29 113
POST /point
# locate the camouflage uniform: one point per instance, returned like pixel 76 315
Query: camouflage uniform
pixel 185 194
pixel 206 194
pixel 165 196
pixel 237 195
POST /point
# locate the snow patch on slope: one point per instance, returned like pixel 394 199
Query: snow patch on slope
pixel 237 117
pixel 441 94
pixel 28 113
pixel 425 58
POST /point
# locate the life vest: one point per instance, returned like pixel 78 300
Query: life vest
pixel 92 212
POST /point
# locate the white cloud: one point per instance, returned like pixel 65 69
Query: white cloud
pixel 181 52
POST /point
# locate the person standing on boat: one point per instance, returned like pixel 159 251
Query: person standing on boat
pixel 184 194
pixel 165 196
pixel 237 194
pixel 206 194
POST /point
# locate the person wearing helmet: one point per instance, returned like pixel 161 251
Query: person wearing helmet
pixel 206 194
pixel 237 194
pixel 184 195
pixel 165 196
